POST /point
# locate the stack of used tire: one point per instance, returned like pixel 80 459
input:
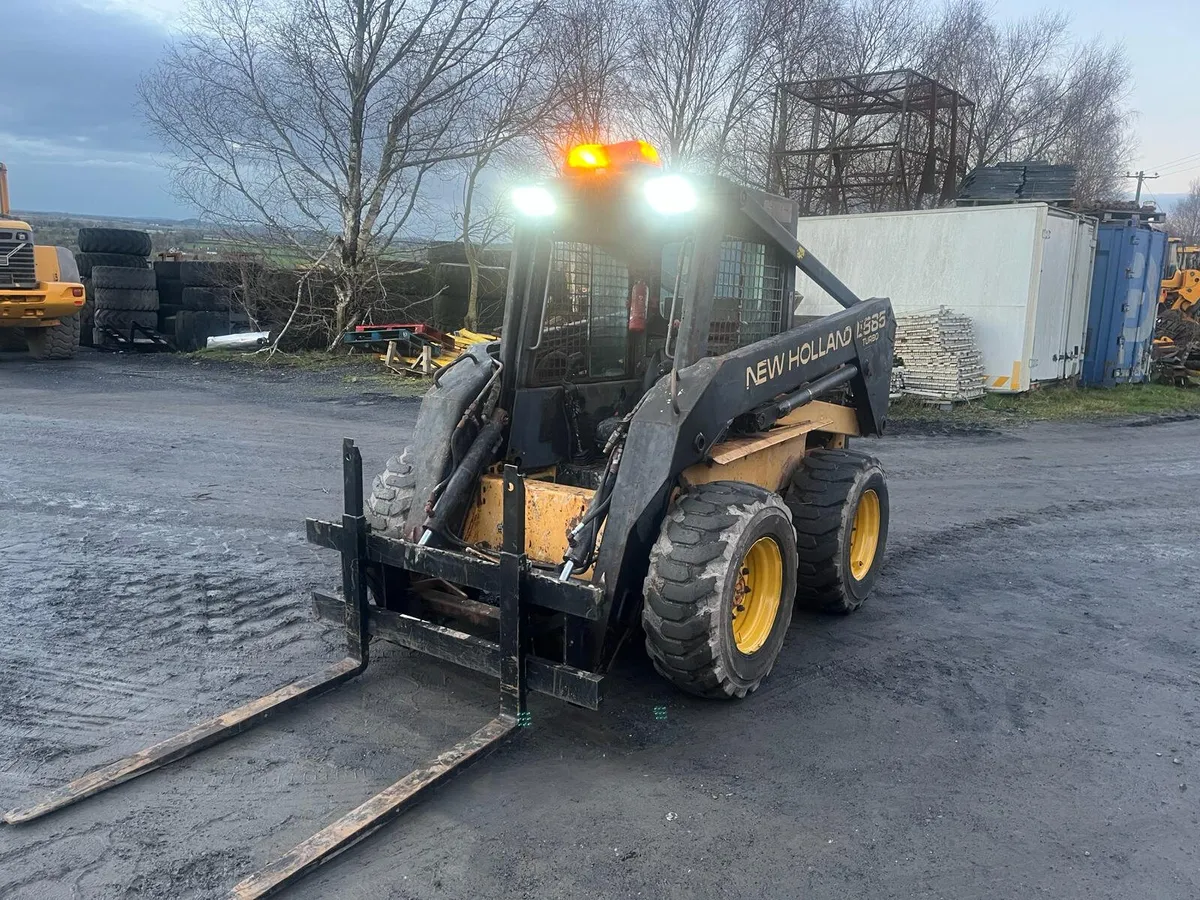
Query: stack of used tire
pixel 121 292
pixel 195 301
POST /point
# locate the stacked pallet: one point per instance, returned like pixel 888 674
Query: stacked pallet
pixel 941 359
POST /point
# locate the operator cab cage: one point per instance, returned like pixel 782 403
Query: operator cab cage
pixel 607 293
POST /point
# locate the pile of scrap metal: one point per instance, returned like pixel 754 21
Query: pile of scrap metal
pixel 415 348
pixel 1176 351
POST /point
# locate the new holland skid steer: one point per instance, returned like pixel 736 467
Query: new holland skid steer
pixel 657 444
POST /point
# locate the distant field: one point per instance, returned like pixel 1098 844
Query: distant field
pixel 191 237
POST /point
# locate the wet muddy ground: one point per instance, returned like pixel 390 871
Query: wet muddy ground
pixel 1014 714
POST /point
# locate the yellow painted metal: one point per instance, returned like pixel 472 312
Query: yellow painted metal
pixel 551 511
pixel 769 467
pixel 769 459
pixel 50 301
pixel 736 448
pixel 864 535
pixel 840 419
pixel 45 306
pixel 757 595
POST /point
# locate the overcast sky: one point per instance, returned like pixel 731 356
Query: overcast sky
pixel 74 140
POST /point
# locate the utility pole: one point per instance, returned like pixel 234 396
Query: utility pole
pixel 1140 176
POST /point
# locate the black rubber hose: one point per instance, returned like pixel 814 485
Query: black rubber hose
pixel 453 502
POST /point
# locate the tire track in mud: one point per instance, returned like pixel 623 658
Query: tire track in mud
pixel 187 609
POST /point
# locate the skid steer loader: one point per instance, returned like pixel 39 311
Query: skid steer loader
pixel 656 444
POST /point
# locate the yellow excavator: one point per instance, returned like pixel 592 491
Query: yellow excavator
pixel 1181 286
pixel 41 296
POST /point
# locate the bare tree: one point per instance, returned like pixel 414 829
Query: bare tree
pixel 504 116
pixel 1184 221
pixel 591 44
pixel 687 63
pixel 300 120
pixel 880 34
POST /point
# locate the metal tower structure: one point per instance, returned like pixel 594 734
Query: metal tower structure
pixel 870 142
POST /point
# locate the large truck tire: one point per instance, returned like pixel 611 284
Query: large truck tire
pixel 56 342
pixel 839 504
pixel 719 592
pixel 193 328
pixel 167 269
pixel 391 496
pixel 201 298
pixel 86 316
pixel 123 278
pixel 88 261
pixel 115 240
pixel 170 293
pixel 121 320
pixel 129 300
pixel 201 273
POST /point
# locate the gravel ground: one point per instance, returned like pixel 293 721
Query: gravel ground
pixel 1014 714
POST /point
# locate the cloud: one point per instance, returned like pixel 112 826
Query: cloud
pixel 72 131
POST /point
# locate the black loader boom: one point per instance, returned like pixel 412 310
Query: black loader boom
pixel 657 444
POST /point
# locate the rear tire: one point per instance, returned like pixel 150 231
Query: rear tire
pixel 718 596
pixel 56 342
pixel 832 492
pixel 391 496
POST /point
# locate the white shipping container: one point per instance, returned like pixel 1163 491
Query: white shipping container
pixel 1022 273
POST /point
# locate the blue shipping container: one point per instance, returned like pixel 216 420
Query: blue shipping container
pixel 1123 305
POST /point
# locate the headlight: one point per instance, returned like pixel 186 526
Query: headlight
pixel 534 201
pixel 670 195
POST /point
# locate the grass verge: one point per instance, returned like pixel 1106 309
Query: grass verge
pixel 1058 403
pixel 360 368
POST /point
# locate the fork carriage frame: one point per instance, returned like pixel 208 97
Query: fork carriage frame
pixel 517 671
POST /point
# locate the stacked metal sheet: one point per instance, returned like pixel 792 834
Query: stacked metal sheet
pixel 1020 181
pixel 941 358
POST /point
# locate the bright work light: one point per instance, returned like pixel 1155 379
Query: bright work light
pixel 533 200
pixel 670 195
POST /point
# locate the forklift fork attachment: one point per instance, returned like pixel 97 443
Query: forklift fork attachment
pixel 372 815
pixel 385 806
pixel 186 743
pixel 237 720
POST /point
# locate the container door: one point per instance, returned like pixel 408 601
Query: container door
pixel 1075 321
pixel 1103 321
pixel 1053 298
pixel 1145 277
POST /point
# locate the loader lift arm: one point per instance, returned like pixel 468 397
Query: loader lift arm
pixel 360 620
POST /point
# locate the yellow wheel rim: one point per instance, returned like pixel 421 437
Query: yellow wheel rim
pixel 757 594
pixel 864 537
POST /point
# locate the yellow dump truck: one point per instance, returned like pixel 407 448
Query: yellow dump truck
pixel 41 296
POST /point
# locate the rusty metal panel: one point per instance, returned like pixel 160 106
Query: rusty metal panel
pixel 551 511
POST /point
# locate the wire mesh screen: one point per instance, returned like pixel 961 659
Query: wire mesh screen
pixel 587 316
pixel 748 305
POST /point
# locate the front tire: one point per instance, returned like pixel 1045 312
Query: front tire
pixel 391 496
pixel 56 342
pixel 718 596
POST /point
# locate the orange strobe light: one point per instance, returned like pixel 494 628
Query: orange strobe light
pixel 611 156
